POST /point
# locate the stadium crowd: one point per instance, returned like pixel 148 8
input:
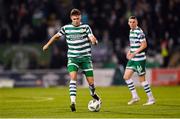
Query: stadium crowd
pixel 34 21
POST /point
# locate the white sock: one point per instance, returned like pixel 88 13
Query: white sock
pixel 131 87
pixel 72 91
pixel 147 89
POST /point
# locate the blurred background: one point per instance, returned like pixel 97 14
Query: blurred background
pixel 26 25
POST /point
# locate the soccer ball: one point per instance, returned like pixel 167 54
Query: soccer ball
pixel 94 105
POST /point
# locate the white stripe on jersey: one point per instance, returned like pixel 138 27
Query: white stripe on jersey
pixel 134 49
pixel 139 59
pixel 77 51
pixel 137 31
pixel 135 44
pixel 139 54
pixel 81 46
pixel 76 55
pixel 133 35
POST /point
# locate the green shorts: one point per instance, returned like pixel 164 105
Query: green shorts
pixel 137 66
pixel 84 63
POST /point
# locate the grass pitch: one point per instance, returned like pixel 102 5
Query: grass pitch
pixel 54 103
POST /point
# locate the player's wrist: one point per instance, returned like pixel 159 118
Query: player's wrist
pixel 135 53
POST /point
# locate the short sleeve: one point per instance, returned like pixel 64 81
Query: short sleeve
pixel 61 31
pixel 89 31
pixel 141 36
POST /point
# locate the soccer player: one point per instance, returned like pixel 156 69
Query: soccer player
pixel 79 38
pixel 137 59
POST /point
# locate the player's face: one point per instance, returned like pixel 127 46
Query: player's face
pixel 132 23
pixel 76 20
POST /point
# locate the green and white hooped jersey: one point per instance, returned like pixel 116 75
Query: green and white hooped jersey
pixel 136 36
pixel 77 39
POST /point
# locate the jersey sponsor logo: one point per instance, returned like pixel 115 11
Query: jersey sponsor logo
pixel 75 36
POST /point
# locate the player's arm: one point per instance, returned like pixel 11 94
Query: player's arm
pixel 141 48
pixel 143 43
pixel 91 37
pixel 54 38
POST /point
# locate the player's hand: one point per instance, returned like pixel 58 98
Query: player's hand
pixel 93 40
pixel 130 55
pixel 45 47
pixel 95 43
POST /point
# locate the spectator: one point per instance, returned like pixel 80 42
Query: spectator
pixel 28 21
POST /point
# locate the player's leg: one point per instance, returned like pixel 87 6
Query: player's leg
pixel 147 89
pixel 72 68
pixel 72 90
pixel 72 86
pixel 90 81
pixel 141 72
pixel 127 77
pixel 88 71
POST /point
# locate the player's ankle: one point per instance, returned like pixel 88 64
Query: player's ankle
pixel 95 96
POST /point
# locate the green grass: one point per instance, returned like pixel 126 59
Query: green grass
pixel 54 103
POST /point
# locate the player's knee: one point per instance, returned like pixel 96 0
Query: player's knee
pixel 125 77
pixel 73 75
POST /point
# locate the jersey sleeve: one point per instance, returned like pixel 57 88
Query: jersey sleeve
pixel 89 31
pixel 141 36
pixel 61 32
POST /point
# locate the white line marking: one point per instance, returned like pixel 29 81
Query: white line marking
pixel 30 99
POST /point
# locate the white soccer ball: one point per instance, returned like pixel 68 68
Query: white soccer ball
pixel 94 105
